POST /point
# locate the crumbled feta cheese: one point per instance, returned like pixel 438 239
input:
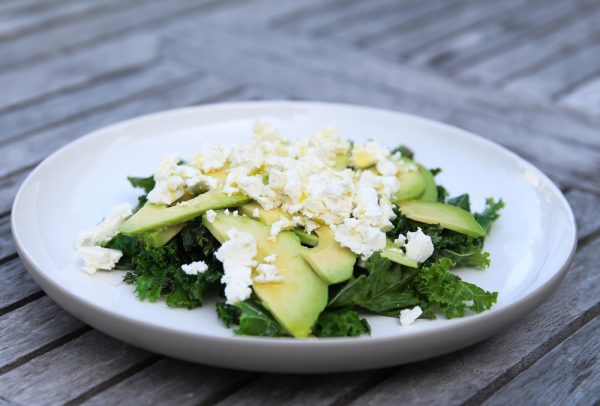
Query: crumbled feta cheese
pixel 212 157
pixel 409 316
pixel 330 196
pixel 282 224
pixel 96 258
pixel 360 237
pixel 108 228
pixel 267 273
pixel 211 215
pixel 235 213
pixel 194 268
pixel 400 241
pixel 227 212
pixel 237 255
pixel 419 246
pixel 270 259
pixel 256 212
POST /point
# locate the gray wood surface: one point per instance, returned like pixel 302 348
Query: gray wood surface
pixel 525 74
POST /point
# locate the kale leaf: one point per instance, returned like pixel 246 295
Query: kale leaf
pixel 446 291
pixel 490 214
pixel 404 151
pixel 461 201
pixel 143 183
pixel 341 323
pixel 156 271
pixel 251 317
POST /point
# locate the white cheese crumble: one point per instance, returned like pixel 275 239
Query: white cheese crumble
pixel 211 215
pixel 267 273
pixel 419 246
pixel 237 255
pixel 409 316
pixel 282 224
pixel 108 228
pixel 360 237
pixel 98 258
pixel 256 212
pixel 194 268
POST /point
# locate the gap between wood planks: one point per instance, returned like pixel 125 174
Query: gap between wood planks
pixel 163 19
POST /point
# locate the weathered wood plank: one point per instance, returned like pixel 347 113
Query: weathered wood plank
pixel 457 19
pixel 194 384
pixel 555 78
pixel 98 27
pixel 586 207
pixel 9 186
pixel 53 111
pixel 36 325
pixel 526 23
pixel 69 371
pixel 481 369
pixel 28 151
pixel 20 21
pixel 64 72
pixel 585 97
pixel 567 375
pixel 7 246
pixel 529 54
pixel 383 20
pixel 16 283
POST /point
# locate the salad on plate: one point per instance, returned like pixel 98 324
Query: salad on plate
pixel 298 237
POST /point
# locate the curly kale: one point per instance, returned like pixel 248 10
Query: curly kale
pixel 147 184
pixel 156 271
pixel 251 317
pixel 341 323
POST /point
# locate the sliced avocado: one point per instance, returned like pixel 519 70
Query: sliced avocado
pixel 450 217
pixel 158 238
pixel 431 193
pixel 332 262
pixel 307 239
pixel 301 296
pixel 394 254
pixel 363 159
pixel 342 160
pixel 152 216
pixel 267 217
pixel 412 183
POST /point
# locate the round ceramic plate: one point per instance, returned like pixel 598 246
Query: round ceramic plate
pixel 74 188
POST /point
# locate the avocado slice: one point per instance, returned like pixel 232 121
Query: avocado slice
pixel 394 254
pixel 301 296
pixel 158 238
pixel 332 262
pixel 412 183
pixel 268 217
pixel 448 216
pixel 430 194
pixel 153 216
pixel 312 240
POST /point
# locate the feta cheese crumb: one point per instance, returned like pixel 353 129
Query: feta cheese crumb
pixel 270 259
pixel 255 212
pixel 400 241
pixel 282 224
pixel 235 213
pixel 360 237
pixel 267 273
pixel 96 258
pixel 107 229
pixel 211 215
pixel 237 255
pixel 419 246
pixel 194 268
pixel 408 316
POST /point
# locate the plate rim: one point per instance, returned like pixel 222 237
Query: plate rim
pixel 528 302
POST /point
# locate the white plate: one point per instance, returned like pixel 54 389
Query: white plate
pixel 75 187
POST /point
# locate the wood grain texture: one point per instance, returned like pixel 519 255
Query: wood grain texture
pixel 15 281
pixel 584 97
pixel 7 245
pixel 31 327
pixel 171 382
pixel 70 370
pixel 567 375
pixel 586 207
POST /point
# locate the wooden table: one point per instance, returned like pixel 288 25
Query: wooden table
pixel 524 73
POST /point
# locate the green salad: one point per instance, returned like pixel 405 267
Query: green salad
pixel 298 237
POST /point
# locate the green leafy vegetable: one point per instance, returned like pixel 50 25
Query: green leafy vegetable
pixel 252 318
pixel 143 183
pixel 461 201
pixel 341 323
pixel 449 293
pixel 228 314
pixel 490 214
pixel 156 271
pixel 404 151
